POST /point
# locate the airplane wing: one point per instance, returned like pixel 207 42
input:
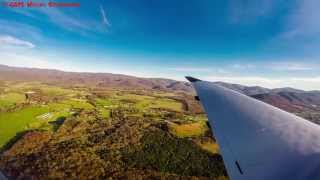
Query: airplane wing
pixel 2 177
pixel 258 141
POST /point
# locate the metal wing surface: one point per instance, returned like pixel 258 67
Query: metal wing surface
pixel 258 141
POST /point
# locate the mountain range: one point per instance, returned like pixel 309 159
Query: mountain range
pixel 289 99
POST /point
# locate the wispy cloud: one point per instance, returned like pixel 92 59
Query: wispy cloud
pixel 245 11
pixel 243 66
pixel 10 41
pixel 293 66
pixel 105 20
pixel 190 69
pixel 306 83
pixel 21 60
pixel 298 34
pixel 68 20
pixel 301 29
pixel 31 59
pixel 304 20
pixel 279 65
pixel 20 30
pixel 246 80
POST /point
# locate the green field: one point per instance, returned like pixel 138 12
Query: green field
pixel 147 102
pixel 10 99
pixel 188 130
pixel 13 122
pixel 49 103
pixel 97 130
pixel 43 107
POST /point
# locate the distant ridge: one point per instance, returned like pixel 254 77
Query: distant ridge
pixel 120 80
pixel 293 100
pixel 104 80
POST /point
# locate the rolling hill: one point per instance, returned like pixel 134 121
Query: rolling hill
pixel 289 99
pixel 106 80
pixel 108 125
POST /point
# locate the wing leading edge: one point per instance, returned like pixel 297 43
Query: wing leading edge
pixel 258 141
pixel 2 177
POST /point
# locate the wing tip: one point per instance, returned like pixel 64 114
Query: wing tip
pixel 192 79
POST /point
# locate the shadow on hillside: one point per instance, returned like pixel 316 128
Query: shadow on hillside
pixel 13 140
pixel 57 123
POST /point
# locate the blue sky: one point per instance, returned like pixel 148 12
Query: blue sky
pixel 271 43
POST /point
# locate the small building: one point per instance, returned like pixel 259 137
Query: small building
pixel 29 94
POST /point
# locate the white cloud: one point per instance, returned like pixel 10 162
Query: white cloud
pixel 305 20
pixel 20 30
pixel 10 41
pixel 66 19
pixel 105 20
pixel 292 66
pixel 311 80
pixel 243 66
pixel 306 83
pixel 279 65
pixel 300 30
pixel 246 80
pixel 37 61
pixel 190 69
pixel 24 60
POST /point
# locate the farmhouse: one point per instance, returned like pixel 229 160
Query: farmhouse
pixel 29 95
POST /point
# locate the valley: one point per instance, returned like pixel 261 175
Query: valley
pixel 58 125
pixel 118 133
